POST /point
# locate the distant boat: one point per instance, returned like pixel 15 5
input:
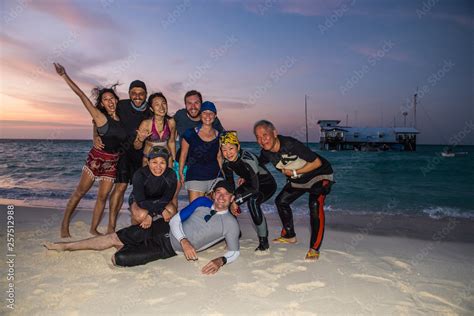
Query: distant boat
pixel 449 153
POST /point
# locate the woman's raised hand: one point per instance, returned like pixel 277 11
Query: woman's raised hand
pixel 143 134
pixel 59 69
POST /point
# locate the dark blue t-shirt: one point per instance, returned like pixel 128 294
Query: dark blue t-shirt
pixel 202 157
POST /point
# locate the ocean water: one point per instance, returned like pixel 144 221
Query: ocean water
pixel 45 173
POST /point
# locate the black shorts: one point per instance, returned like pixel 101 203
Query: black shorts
pixel 128 163
pixel 144 245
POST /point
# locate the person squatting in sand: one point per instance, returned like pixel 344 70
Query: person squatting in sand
pixel 154 187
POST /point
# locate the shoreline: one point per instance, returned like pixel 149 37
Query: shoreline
pixel 358 273
pixel 453 229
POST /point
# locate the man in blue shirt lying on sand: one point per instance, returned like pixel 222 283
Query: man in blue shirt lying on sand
pixel 198 226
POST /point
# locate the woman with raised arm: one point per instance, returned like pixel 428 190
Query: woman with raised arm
pixel 100 164
pixel 160 130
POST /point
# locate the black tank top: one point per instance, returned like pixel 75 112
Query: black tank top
pixel 113 135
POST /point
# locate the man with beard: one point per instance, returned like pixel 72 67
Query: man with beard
pixel 131 112
pixel 190 117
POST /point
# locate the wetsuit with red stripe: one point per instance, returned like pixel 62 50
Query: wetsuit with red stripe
pixel 294 155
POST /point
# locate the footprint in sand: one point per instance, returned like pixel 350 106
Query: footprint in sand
pixel 256 288
pixel 145 275
pixel 181 281
pixel 341 253
pixel 261 262
pixel 305 287
pixel 266 275
pixel 38 291
pixel 156 300
pixel 285 268
pixel 429 298
pixel 372 278
pixel 398 264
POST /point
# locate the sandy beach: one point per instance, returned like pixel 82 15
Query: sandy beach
pixel 369 265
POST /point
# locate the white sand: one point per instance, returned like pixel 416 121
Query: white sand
pixel 356 274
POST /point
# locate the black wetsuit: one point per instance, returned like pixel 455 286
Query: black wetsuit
pixel 131 160
pixel 153 194
pixel 112 134
pixel 317 183
pixel 258 187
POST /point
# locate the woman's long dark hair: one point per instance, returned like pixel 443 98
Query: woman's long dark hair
pixel 97 94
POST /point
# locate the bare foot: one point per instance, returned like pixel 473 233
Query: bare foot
pixel 65 232
pixel 110 230
pixel 54 246
pixel 95 232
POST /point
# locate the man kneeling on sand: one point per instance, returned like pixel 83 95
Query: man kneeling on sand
pixel 197 227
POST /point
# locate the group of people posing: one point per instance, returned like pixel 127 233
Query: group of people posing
pixel 136 142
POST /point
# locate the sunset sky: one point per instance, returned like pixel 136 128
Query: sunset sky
pixel 254 59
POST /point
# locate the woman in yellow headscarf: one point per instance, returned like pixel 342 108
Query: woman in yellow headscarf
pixel 256 184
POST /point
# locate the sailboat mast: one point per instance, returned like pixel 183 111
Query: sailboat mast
pixel 414 107
pixel 306 117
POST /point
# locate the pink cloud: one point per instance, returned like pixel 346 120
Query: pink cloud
pixel 74 15
pixel 64 105
pixel 38 71
pixel 10 41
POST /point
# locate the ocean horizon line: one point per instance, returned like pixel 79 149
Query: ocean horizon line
pixel 242 141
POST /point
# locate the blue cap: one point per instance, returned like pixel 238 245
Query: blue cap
pixel 208 106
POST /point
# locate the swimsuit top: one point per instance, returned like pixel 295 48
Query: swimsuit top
pixel 113 135
pixel 155 136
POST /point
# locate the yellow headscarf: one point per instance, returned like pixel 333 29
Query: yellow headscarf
pixel 229 137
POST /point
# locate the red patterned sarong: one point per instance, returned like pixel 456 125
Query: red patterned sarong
pixel 101 165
